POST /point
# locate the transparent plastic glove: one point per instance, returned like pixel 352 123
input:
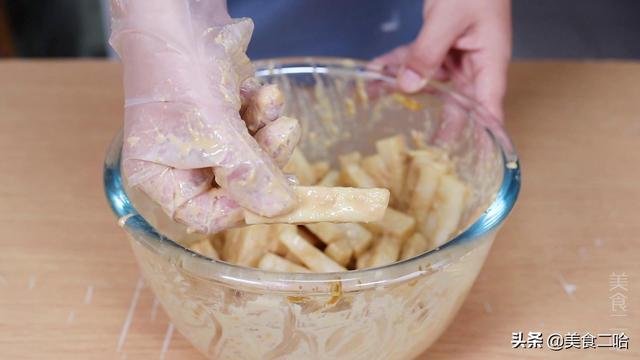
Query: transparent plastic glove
pixel 467 41
pixel 187 80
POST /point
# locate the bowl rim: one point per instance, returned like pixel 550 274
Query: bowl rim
pixel 487 222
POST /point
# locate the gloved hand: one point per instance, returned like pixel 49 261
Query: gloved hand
pixel 467 41
pixel 187 80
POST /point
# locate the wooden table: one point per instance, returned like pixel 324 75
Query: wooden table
pixel 69 286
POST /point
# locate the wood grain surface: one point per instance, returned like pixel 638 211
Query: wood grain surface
pixel 70 288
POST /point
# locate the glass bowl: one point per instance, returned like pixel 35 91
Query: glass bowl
pixel 391 312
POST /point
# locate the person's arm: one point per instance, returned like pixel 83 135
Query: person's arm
pixel 468 41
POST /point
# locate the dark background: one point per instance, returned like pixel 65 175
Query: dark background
pixel 352 28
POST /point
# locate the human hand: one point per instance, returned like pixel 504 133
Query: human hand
pixel 187 80
pixel 466 41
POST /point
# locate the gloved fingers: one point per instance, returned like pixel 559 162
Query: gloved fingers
pixel 179 135
pixel 215 210
pixel 279 138
pixel 264 106
pixel 168 187
pixel 247 89
pixel 210 212
pixel 250 176
pixel 186 137
pixel 182 75
pixel 182 78
pixel 187 196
